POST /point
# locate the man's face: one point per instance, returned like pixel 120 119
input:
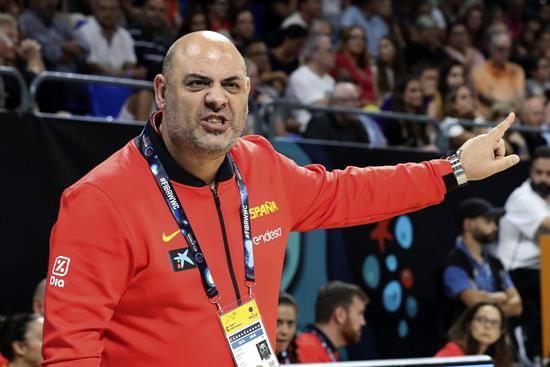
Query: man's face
pixel 324 56
pixel 155 13
pixel 106 13
pixel 257 52
pixel 355 321
pixel 483 229
pixel 346 95
pixel 540 176
pixel 501 49
pixel 204 96
pixel 533 112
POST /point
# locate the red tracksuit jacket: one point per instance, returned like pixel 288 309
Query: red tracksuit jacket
pixel 113 297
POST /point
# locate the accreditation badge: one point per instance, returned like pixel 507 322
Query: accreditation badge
pixel 247 337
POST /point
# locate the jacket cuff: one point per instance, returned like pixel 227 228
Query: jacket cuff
pixel 443 167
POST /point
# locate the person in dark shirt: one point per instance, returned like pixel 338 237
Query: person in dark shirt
pixel 339 126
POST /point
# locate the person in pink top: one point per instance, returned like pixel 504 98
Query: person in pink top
pixel 481 329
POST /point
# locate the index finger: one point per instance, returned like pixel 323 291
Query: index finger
pixel 498 131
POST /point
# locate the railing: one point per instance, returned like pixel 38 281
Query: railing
pixel 26 103
pixel 479 361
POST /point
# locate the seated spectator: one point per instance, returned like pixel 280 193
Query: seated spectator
pixel 428 76
pixel 471 274
pixel 363 13
pixel 339 320
pixel 62 48
pixel 24 55
pixel 353 61
pixel 195 20
pixel 472 14
pixel 242 27
pixel 285 57
pixel 407 98
pixel 256 50
pixel 459 48
pixel 428 49
pixel 304 15
pixel 152 37
pixel 320 27
pixel 498 80
pixel 287 314
pixel 459 104
pixel 390 65
pixel 539 83
pixel 21 340
pixel 452 76
pixel 532 115
pixel 111 46
pixel 345 126
pixel 311 83
pixel 38 298
pixel 218 16
pixel 481 329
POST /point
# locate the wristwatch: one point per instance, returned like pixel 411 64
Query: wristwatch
pixel 458 170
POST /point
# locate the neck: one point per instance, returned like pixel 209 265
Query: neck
pixel 498 65
pixel 483 348
pixel 203 167
pixel 17 363
pixel 473 246
pixel 316 69
pixel 333 334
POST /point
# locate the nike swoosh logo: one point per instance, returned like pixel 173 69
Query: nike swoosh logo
pixel 170 237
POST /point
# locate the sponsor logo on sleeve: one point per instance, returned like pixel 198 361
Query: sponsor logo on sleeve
pixel 181 259
pixel 59 270
pixel 269 235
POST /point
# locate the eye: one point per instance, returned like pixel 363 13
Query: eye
pixel 232 87
pixel 197 84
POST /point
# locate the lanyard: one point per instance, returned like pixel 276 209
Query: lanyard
pixel 174 204
pixel 327 345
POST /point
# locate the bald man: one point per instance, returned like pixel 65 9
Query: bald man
pixel 189 220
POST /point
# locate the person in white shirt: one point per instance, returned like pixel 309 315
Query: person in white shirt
pixel 307 11
pixel 527 217
pixel 311 83
pixel 111 46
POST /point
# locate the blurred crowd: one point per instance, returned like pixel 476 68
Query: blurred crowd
pixel 450 60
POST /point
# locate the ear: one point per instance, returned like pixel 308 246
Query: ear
pixel 159 84
pixel 247 86
pixel 340 314
pixel 19 348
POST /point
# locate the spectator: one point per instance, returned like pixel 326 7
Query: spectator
pixel 287 314
pixel 459 104
pixel 385 9
pixel 532 115
pixel 218 16
pixel 24 55
pixel 390 64
pixel 513 140
pixel 21 340
pixel 311 83
pixel 304 15
pixel 428 75
pixel 472 14
pixel 196 20
pixel 362 13
pixel 539 83
pixel 339 320
pixel 320 27
pixel 353 61
pixel 471 274
pixel 527 217
pixel 285 57
pixel 453 75
pixel 345 126
pixel 38 298
pixel 428 49
pixel 112 48
pixel 498 79
pixel 481 329
pixel 459 48
pixel 62 49
pixel 256 50
pixel 242 27
pixel 407 98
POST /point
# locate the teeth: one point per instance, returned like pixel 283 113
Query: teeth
pixel 215 120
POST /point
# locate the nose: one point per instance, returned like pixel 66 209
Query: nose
pixel 216 98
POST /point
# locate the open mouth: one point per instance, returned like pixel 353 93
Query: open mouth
pixel 214 124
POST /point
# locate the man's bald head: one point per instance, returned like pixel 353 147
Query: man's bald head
pixel 194 43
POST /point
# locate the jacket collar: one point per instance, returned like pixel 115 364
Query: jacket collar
pixel 174 171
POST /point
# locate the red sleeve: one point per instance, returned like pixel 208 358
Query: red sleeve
pixel 450 350
pixel 91 263
pixel 323 199
pixel 309 349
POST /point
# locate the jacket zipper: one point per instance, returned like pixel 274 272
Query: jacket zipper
pixel 226 243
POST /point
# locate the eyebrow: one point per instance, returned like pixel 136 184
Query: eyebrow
pixel 205 78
